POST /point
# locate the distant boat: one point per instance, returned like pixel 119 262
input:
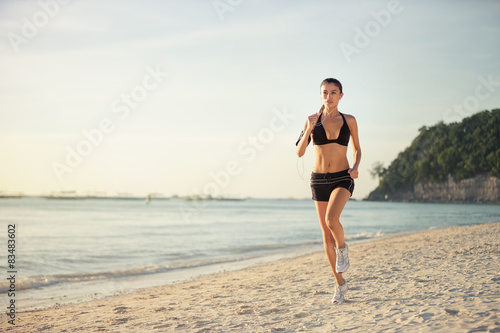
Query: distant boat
pixel 66 195
pixel 148 199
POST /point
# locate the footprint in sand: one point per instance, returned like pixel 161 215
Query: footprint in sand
pixel 119 321
pixel 121 309
pixel 451 312
pixel 159 309
pixel 271 311
pixel 301 315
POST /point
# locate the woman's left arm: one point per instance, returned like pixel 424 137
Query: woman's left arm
pixel 353 127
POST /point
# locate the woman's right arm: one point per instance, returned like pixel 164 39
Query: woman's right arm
pixel 304 140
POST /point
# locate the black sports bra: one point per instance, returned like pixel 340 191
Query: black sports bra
pixel 320 138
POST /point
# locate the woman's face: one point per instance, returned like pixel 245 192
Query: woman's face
pixel 330 95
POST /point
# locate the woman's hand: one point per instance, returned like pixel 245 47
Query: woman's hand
pixel 353 172
pixel 311 122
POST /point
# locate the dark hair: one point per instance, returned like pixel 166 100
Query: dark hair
pixel 334 81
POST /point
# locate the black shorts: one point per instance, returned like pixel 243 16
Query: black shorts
pixel 322 184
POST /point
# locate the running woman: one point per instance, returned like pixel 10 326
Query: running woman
pixel 332 180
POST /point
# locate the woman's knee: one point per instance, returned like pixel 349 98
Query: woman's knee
pixel 332 221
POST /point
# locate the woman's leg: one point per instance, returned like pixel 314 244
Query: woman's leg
pixel 335 205
pixel 328 240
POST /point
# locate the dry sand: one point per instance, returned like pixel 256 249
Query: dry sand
pixel 442 280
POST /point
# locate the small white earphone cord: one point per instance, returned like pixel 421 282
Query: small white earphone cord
pixel 298 171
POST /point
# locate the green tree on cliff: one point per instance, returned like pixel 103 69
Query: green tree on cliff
pixel 457 150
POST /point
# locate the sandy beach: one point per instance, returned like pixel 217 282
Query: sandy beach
pixel 443 280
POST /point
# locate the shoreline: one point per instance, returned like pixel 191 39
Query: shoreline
pixel 60 294
pixel 436 280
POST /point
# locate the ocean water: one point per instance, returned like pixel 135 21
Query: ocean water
pixel 76 250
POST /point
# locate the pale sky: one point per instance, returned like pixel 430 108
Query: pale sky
pixel 165 96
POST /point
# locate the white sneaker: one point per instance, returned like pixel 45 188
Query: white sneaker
pixel 338 296
pixel 342 263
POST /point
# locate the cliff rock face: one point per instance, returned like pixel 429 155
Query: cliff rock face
pixel 480 189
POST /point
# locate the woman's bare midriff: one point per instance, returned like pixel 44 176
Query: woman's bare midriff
pixel 331 157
